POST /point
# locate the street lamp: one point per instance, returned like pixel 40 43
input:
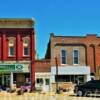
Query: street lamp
pixel 56 74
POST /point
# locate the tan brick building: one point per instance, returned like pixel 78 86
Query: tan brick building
pixel 75 51
pixel 78 58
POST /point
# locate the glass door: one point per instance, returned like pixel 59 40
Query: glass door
pixel 7 80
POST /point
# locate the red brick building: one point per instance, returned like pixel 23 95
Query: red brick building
pixel 75 55
pixel 17 51
pixel 42 74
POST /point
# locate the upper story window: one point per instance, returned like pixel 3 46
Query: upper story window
pixel 11 46
pixel 25 47
pixel 64 55
pixel 75 56
pixel 25 51
pixel 11 51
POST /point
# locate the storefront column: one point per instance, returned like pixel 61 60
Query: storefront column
pixel 2 79
pixel 52 80
pixel 11 79
pixel 88 77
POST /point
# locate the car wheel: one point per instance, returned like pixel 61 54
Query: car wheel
pixel 88 93
pixel 80 93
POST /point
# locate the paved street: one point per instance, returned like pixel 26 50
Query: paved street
pixel 37 96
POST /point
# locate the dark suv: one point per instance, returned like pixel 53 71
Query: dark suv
pixel 89 87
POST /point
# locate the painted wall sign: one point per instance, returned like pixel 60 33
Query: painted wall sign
pixel 11 67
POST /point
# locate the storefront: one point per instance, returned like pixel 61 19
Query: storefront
pixel 13 74
pixel 76 75
pixel 42 81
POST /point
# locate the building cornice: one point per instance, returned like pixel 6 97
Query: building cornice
pixel 16 23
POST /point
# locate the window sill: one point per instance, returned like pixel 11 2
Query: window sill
pixel 26 56
pixel 76 64
pixel 64 64
pixel 10 56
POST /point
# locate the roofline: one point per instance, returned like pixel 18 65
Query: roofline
pixel 17 19
pixel 87 35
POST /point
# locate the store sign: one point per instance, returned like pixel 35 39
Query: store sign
pixel 11 67
pixel 19 67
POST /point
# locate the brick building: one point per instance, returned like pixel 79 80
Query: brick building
pixel 78 57
pixel 17 51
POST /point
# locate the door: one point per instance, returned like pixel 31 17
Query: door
pixel 47 84
pixel 7 80
pixel 80 79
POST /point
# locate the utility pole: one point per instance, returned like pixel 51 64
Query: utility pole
pixel 56 74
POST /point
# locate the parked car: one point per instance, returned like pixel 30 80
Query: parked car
pixel 87 88
pixel 26 87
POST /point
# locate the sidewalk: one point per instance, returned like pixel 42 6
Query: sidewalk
pixel 38 96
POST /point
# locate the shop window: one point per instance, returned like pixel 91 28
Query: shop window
pixel 64 55
pixel 77 79
pixel 47 81
pixel 39 81
pixel 75 56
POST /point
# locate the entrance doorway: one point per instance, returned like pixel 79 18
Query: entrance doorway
pixel 5 80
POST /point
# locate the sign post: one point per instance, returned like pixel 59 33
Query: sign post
pixel 56 75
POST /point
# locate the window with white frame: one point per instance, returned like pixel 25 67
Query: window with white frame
pixel 11 46
pixel 39 81
pixel 25 47
pixel 64 55
pixel 47 81
pixel 11 50
pixel 25 51
pixel 76 56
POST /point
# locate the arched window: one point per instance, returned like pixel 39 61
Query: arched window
pixel 11 41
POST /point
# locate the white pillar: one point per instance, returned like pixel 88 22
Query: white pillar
pixel 43 86
pixel 52 80
pixel 88 77
pixel 2 79
pixel 11 79
pixel 43 81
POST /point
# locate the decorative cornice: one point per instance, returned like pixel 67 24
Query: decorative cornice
pixel 16 23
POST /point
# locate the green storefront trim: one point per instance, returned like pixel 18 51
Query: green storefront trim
pixel 6 68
